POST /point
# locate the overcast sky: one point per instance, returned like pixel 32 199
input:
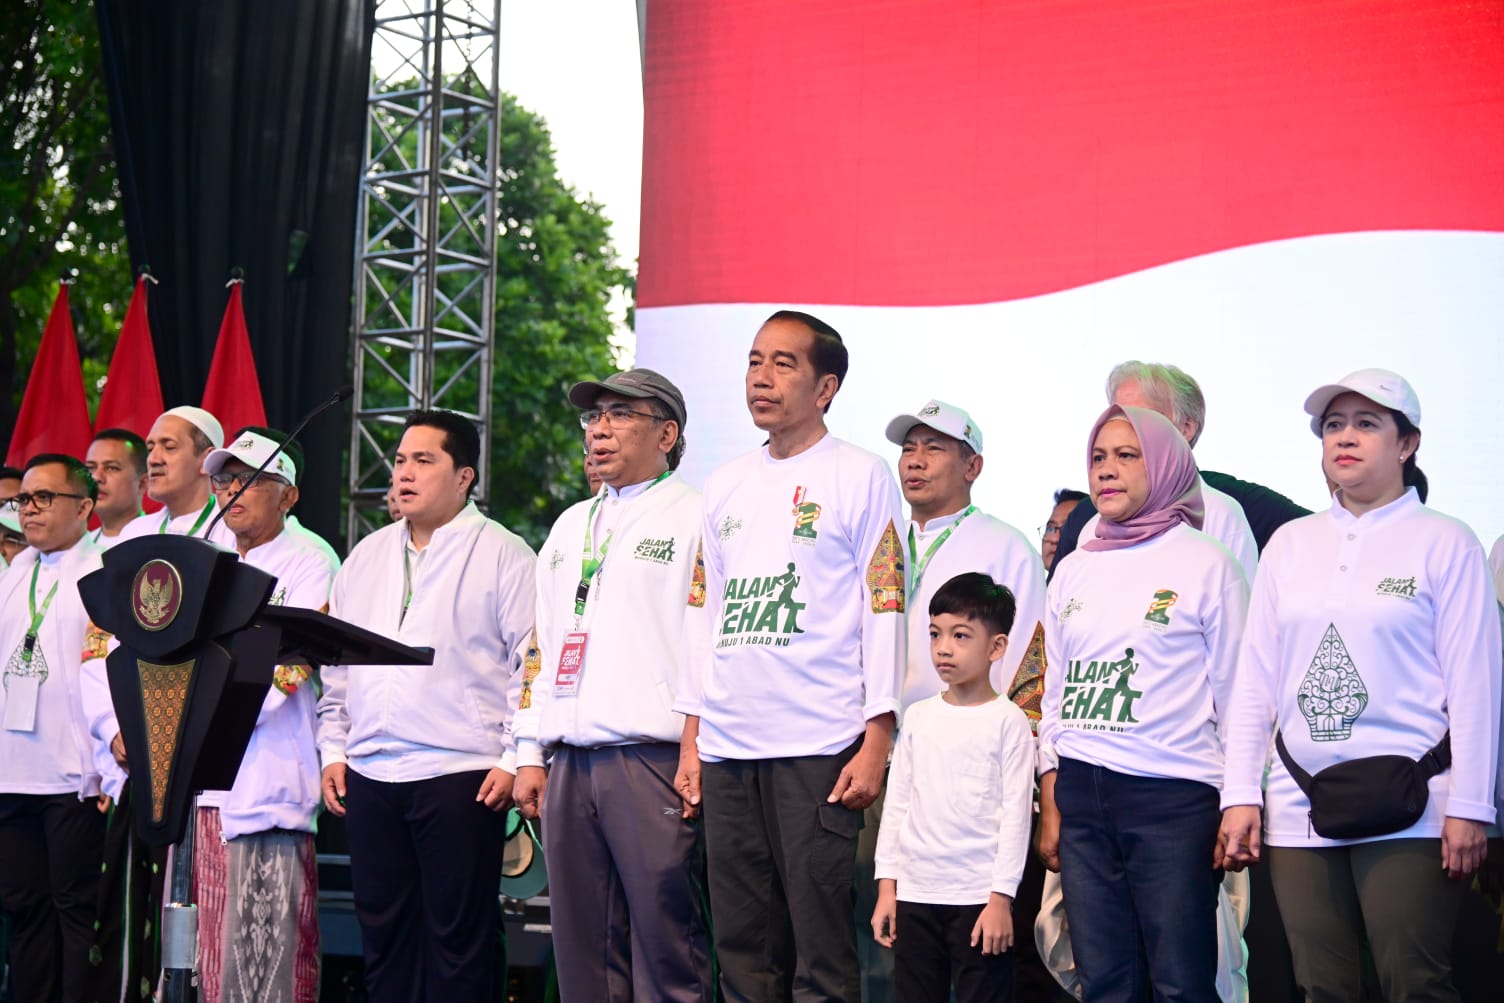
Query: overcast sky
pixel 577 63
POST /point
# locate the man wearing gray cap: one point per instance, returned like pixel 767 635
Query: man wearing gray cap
pixel 625 897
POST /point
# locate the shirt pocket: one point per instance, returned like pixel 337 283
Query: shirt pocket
pixel 979 786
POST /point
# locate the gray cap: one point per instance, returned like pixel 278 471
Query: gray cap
pixel 639 383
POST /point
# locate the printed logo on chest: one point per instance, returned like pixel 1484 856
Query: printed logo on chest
pixel 1158 617
pixel 656 551
pixel 1400 588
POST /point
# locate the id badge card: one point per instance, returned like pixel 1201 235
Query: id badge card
pixel 21 694
pixel 571 664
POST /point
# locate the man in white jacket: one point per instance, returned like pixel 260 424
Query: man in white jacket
pixel 51 809
pixel 419 755
pixel 254 862
pixel 610 645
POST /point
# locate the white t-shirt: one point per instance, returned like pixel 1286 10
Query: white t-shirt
pixel 1223 520
pixel 982 543
pixel 1141 644
pixel 1368 636
pixel 805 634
pixel 955 824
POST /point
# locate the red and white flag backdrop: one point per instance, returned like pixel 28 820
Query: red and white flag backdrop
pixel 995 202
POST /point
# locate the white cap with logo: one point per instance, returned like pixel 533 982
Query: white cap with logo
pixel 942 417
pixel 1379 385
pixel 252 449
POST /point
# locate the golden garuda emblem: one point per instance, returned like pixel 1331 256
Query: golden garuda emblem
pixel 156 594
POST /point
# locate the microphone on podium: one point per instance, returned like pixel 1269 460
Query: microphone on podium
pixel 344 393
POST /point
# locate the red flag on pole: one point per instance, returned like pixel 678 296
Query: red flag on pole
pixel 233 393
pixel 54 415
pixel 132 397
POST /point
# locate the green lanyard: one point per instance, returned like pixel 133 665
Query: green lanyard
pixel 920 563
pixel 203 517
pixel 590 558
pixel 36 614
pixel 407 585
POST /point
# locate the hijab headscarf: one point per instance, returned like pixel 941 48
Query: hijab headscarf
pixel 1174 482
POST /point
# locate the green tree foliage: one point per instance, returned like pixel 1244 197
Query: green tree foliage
pixel 556 273
pixel 556 276
pixel 59 200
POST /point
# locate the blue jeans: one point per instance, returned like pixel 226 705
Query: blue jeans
pixel 1140 889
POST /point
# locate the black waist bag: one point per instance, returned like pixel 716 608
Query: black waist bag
pixel 1367 797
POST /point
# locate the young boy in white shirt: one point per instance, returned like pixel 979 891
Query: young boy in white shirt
pixel 955 828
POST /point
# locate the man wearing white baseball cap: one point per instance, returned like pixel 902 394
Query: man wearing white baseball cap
pixel 254 864
pixel 176 446
pixel 947 535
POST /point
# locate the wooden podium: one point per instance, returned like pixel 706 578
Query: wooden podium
pixel 198 646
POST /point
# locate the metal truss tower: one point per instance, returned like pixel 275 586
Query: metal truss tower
pixel 425 267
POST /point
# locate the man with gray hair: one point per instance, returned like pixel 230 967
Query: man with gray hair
pixel 1240 514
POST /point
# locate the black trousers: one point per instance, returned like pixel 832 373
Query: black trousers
pixel 425 867
pixel 933 952
pixel 51 846
pixel 781 864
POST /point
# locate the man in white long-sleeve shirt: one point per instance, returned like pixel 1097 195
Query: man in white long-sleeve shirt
pixel 51 832
pixel 615 582
pixel 254 861
pixel 419 755
pixel 791 690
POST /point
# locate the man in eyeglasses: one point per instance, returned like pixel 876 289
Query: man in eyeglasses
pixel 12 540
pixel 51 812
pixel 254 858
pixel 1066 500
pixel 616 579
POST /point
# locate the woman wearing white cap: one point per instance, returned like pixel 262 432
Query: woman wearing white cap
pixel 1373 632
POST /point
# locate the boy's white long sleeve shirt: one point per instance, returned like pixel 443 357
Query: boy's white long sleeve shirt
pixel 804 638
pixel 1367 636
pixel 956 817
pixel 634 617
pixel 1141 647
pixel 472 602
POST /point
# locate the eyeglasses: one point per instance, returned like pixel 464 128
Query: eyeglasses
pixel 617 416
pixel 41 499
pixel 226 479
pixel 1049 529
